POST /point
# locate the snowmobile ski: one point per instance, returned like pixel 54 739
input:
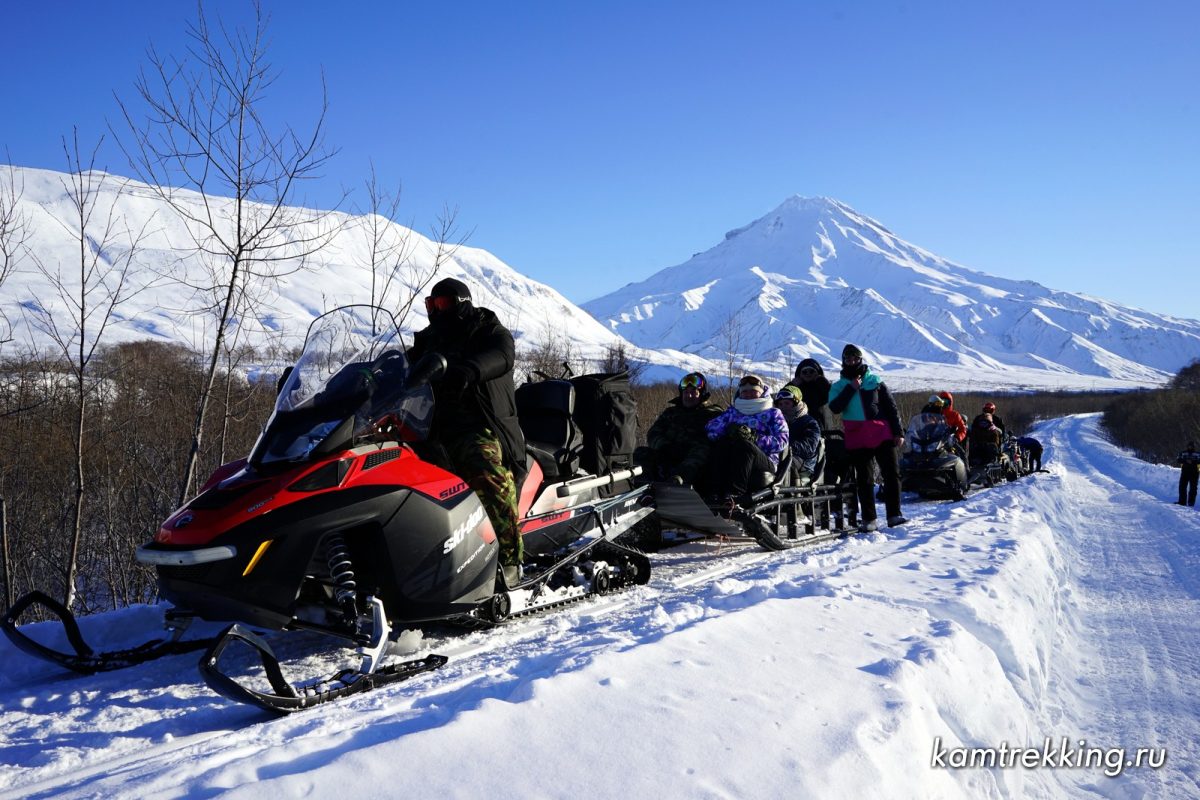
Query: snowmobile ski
pixel 284 698
pixel 85 660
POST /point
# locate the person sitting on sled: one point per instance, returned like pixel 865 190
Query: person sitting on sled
pixel 677 448
pixel 804 435
pixel 749 438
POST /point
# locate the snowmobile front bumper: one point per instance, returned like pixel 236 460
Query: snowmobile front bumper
pixel 183 558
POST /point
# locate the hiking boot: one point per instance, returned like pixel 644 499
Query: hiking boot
pixel 868 526
pixel 512 574
pixel 896 521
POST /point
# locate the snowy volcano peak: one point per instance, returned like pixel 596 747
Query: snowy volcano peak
pixel 815 273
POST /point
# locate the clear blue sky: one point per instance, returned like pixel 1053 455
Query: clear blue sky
pixel 591 144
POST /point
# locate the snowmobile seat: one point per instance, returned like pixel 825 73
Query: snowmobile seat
pixel 545 412
pixel 782 476
pixel 803 477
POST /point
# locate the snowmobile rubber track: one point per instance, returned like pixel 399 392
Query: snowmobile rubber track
pixel 634 572
pixel 286 698
pixel 85 660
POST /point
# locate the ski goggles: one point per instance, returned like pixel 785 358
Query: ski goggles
pixel 692 381
pixel 750 380
pixel 440 304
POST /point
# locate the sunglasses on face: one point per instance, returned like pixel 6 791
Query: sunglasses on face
pixel 808 372
pixel 692 382
pixel 852 360
pixel 440 304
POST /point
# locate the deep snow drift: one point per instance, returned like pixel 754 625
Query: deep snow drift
pixel 1062 605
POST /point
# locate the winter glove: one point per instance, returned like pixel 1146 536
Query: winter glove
pixel 457 378
pixel 740 432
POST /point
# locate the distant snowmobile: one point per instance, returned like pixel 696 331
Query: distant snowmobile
pixel 335 523
pixel 932 464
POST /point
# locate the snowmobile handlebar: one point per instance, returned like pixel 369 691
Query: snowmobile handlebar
pixel 431 367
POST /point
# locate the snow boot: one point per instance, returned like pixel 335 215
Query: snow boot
pixel 868 526
pixel 511 574
pixel 896 521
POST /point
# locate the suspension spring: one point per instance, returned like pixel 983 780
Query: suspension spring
pixel 341 570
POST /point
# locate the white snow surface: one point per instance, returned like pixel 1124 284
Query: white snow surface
pixel 1062 605
pixel 814 274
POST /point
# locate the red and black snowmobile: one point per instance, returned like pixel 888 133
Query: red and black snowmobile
pixel 336 523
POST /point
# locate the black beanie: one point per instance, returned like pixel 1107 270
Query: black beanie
pixel 449 287
pixel 851 350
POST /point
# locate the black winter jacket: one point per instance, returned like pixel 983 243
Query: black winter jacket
pixel 816 397
pixel 478 342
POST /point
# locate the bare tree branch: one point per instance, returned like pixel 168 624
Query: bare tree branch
pixel 14 233
pixel 201 128
pixel 88 303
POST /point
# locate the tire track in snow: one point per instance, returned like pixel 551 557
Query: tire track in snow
pixel 1138 581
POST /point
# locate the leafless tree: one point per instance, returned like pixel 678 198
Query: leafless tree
pixel 617 358
pixel 203 129
pixel 730 339
pixel 389 245
pixel 88 295
pixel 447 237
pixel 14 233
pixel 552 357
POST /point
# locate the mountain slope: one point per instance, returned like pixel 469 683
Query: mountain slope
pixel 167 269
pixel 814 274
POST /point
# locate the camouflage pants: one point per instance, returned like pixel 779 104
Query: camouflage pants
pixel 477 458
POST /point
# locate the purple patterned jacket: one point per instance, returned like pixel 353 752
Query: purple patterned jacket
pixel 770 429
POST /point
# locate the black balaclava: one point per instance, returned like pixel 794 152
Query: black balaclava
pixel 450 287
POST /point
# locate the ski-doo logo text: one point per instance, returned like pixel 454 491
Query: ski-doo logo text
pixel 462 530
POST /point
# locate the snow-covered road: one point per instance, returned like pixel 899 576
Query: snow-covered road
pixel 1063 605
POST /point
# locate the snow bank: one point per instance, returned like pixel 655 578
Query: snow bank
pixel 1059 606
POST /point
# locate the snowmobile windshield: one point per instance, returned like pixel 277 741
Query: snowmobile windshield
pixel 350 380
pixel 927 429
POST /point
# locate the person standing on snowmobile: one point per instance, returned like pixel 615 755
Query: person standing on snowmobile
pixel 475 419
pixel 676 446
pixel 873 435
pixel 1189 474
pixel 749 438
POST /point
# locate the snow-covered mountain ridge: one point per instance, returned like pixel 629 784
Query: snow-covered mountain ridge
pixel 814 274
pixel 799 281
pixel 167 268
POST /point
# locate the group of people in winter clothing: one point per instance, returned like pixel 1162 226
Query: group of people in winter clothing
pixel 847 430
pixel 832 433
